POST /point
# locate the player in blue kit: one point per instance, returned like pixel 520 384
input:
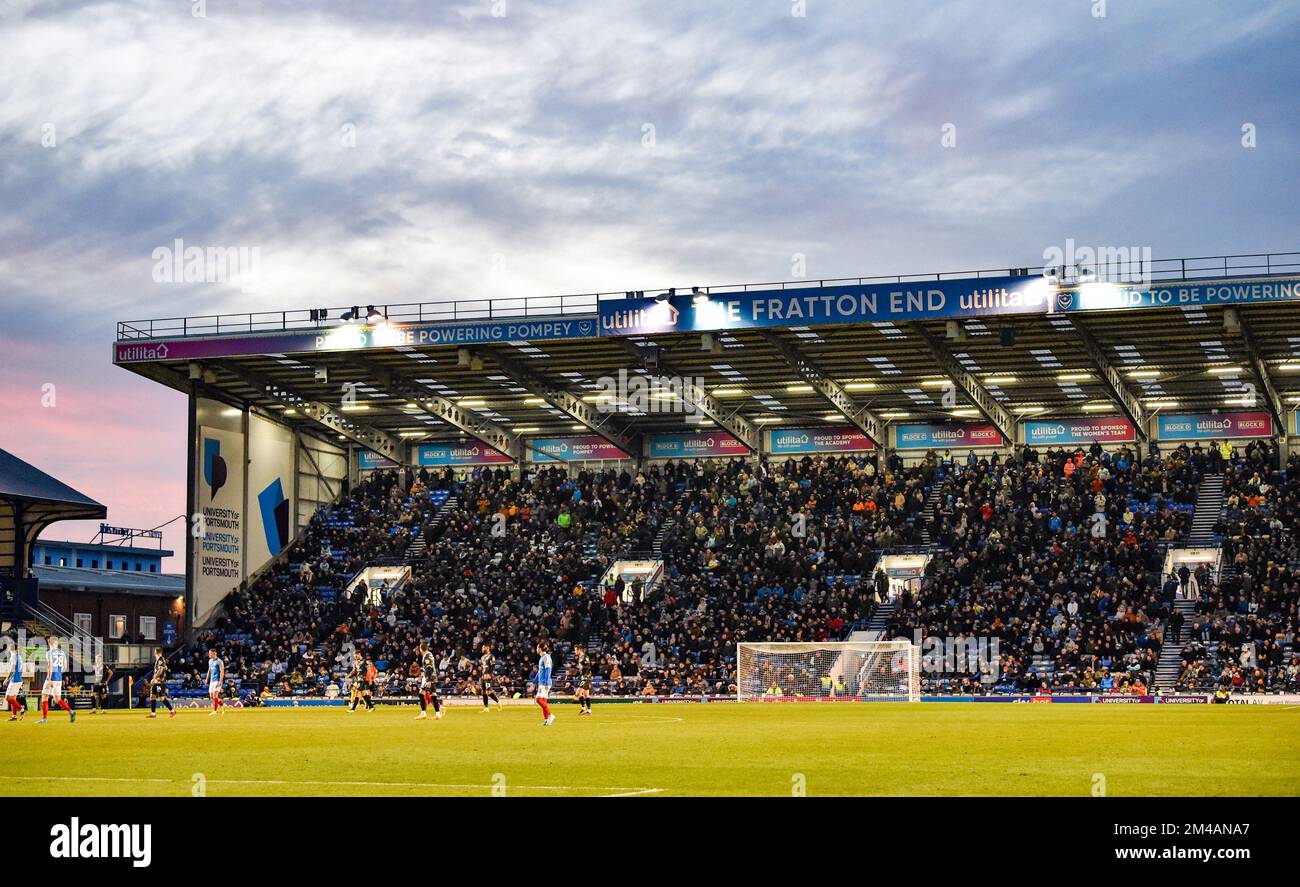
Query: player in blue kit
pixel 215 680
pixel 15 698
pixel 543 691
pixel 56 662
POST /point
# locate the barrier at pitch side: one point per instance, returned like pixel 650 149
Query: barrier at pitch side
pixel 1023 699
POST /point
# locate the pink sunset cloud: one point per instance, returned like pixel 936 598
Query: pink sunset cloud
pixel 113 436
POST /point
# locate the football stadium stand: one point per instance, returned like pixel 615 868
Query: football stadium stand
pixel 1094 469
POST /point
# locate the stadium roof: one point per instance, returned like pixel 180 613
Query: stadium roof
pixel 126 582
pixel 1226 352
pixel 31 500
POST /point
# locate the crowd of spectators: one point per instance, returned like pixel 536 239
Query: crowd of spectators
pixel 1058 555
pixel 1246 622
pixel 1055 556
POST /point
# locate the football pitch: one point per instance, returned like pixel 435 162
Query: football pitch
pixel 643 750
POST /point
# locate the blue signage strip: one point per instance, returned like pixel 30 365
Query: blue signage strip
pixel 1178 294
pixel 812 306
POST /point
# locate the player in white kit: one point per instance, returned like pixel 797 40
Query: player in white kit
pixel 56 663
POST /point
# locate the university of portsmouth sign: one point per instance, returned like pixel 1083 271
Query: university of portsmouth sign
pixel 355 337
pixel 812 306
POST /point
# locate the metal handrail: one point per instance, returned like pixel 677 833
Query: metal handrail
pixel 575 304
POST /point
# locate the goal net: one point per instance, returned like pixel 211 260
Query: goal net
pixel 862 670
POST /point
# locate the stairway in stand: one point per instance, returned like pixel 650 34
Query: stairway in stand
pixel 664 529
pixel 879 622
pixel 1209 506
pixel 416 549
pixel 1170 664
pixel 931 503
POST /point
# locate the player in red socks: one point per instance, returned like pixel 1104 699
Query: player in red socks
pixel 14 695
pixel 56 662
pixel 215 680
pixel 543 690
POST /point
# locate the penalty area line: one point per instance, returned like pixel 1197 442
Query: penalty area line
pixel 617 791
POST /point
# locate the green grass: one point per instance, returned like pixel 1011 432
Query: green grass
pixel 656 750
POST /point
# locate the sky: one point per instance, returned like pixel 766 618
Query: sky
pixel 416 151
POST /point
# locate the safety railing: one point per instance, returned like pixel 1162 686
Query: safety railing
pixel 1113 265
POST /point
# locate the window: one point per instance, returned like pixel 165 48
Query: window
pixel 82 621
pixel 153 568
pixel 63 562
pixel 94 563
pixel 137 566
pixel 79 564
pixel 149 628
pixel 116 627
pixel 48 560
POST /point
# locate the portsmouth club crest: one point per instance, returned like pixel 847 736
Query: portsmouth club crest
pixel 214 467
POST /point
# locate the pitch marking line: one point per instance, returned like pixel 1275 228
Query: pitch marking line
pixel 618 791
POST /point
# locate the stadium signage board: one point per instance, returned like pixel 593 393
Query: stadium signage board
pixel 1124 699
pixel 1295 422
pixel 1107 429
pixel 1211 426
pixel 577 448
pixel 442 455
pixel 106 530
pixel 696 445
pixel 819 305
pixel 367 460
pixel 1264 699
pixel 946 436
pixel 839 439
pixel 1087 699
pixel 1102 296
pixel 356 337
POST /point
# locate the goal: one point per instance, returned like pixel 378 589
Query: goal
pixel 854 670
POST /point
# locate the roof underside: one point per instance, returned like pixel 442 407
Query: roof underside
pixel 31 500
pixel 1173 359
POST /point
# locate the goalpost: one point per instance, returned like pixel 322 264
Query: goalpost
pixel 861 670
